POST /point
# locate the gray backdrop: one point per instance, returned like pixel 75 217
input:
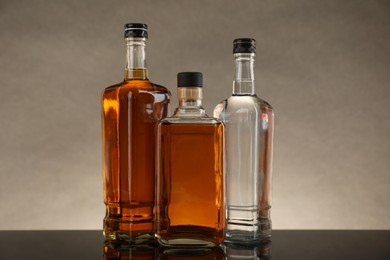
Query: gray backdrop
pixel 323 65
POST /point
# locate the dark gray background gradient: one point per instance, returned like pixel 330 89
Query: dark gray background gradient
pixel 323 65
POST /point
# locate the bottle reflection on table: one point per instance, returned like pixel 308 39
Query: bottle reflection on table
pixel 241 252
pixel 117 251
pixel 214 253
pixel 127 252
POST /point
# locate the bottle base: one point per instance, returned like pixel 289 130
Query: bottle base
pixel 120 236
pixel 190 236
pixel 248 235
pixel 185 243
pixel 128 232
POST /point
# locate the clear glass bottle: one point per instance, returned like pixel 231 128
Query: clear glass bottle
pixel 130 112
pixel 190 209
pixel 249 126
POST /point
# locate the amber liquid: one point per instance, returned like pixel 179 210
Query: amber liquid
pixel 130 112
pixel 190 202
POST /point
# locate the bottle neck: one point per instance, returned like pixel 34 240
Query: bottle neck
pixel 190 102
pixel 135 59
pixel 244 79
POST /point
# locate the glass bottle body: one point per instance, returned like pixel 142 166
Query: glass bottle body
pixel 190 209
pixel 131 111
pixel 249 135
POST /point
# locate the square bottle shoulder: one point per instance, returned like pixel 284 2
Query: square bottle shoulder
pixel 243 102
pixel 204 121
pixel 136 86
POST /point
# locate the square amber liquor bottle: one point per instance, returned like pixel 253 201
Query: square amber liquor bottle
pixel 190 208
pixel 131 110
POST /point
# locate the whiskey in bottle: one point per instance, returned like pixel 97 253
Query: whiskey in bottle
pixel 249 126
pixel 190 209
pixel 130 112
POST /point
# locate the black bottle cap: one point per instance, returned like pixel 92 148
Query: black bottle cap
pixel 189 79
pixel 136 30
pixel 244 45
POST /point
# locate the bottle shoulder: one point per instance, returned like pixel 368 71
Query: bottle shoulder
pixel 160 87
pixel 237 102
pixel 137 88
pixel 136 85
pixel 239 105
pixel 204 120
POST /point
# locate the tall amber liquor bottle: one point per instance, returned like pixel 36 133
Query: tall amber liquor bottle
pixel 190 209
pixel 131 110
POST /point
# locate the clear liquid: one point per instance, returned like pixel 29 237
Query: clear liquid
pixel 249 134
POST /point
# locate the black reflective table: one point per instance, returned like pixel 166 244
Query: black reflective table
pixel 316 244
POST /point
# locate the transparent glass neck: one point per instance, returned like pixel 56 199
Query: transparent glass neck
pixel 190 102
pixel 135 59
pixel 244 79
